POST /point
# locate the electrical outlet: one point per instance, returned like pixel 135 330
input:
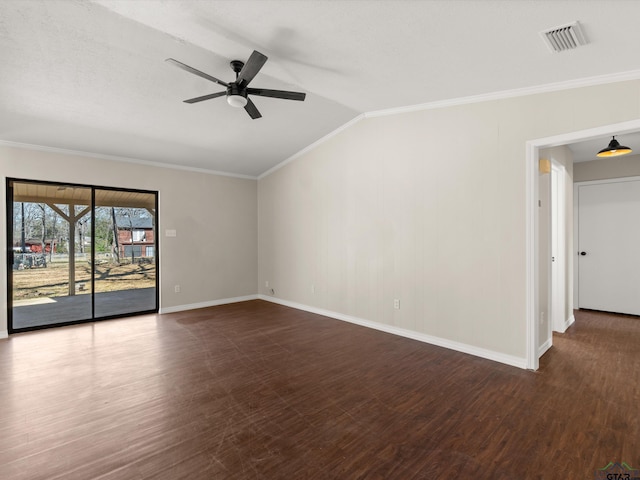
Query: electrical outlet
pixel 396 304
pixel 313 289
pixel 176 289
pixel 266 284
pixel 541 318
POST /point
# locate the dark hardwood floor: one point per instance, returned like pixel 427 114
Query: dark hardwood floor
pixel 260 391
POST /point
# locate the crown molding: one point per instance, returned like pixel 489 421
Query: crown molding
pixel 116 158
pixel 517 92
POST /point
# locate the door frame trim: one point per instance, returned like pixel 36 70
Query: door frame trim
pixel 558 291
pixel 532 148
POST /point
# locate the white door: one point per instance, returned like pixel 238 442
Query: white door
pixel 609 246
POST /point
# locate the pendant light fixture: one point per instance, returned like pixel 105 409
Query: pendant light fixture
pixel 614 149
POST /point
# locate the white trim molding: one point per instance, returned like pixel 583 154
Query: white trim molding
pixel 544 347
pixel 453 102
pixel 517 92
pixel 531 256
pixel 570 321
pixel 4 334
pixel 211 303
pixel 116 158
pixel 499 95
pixel 402 332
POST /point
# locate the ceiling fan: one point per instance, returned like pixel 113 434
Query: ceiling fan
pixel 238 91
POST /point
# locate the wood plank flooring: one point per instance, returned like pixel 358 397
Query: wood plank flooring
pixel 260 391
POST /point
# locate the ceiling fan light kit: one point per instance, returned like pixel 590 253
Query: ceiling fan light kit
pixel 614 149
pixel 237 101
pixel 238 92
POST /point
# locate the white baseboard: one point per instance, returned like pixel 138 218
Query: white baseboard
pixel 568 322
pixel 441 342
pixel 544 347
pixel 212 303
pixel 4 334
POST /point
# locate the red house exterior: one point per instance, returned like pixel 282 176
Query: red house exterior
pixel 136 237
pixel 35 246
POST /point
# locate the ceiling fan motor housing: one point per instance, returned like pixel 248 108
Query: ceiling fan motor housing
pixel 234 89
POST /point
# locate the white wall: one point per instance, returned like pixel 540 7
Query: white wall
pixel 427 207
pixel 214 255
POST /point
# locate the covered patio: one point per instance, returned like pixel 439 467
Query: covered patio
pixel 56 310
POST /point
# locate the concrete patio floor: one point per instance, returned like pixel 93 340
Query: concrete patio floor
pixel 50 311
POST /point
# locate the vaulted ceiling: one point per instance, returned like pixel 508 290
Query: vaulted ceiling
pixel 91 76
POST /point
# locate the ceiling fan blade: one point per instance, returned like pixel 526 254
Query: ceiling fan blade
pixel 252 109
pixel 205 97
pixel 263 92
pixel 195 72
pixel 251 68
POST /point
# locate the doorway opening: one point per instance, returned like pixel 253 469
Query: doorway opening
pixel 532 224
pixel 79 253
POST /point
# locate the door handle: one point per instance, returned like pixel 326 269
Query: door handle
pixel 583 253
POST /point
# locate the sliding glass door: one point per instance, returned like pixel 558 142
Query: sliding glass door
pixel 79 253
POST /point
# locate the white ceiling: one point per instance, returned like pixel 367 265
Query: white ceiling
pixel 90 75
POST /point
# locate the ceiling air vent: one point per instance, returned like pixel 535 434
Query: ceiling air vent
pixel 565 37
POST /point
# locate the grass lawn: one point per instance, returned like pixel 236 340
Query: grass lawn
pixel 53 281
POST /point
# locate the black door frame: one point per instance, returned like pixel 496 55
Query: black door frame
pixel 9 253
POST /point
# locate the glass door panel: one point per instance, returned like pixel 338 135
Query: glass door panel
pixel 50 254
pixel 125 260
